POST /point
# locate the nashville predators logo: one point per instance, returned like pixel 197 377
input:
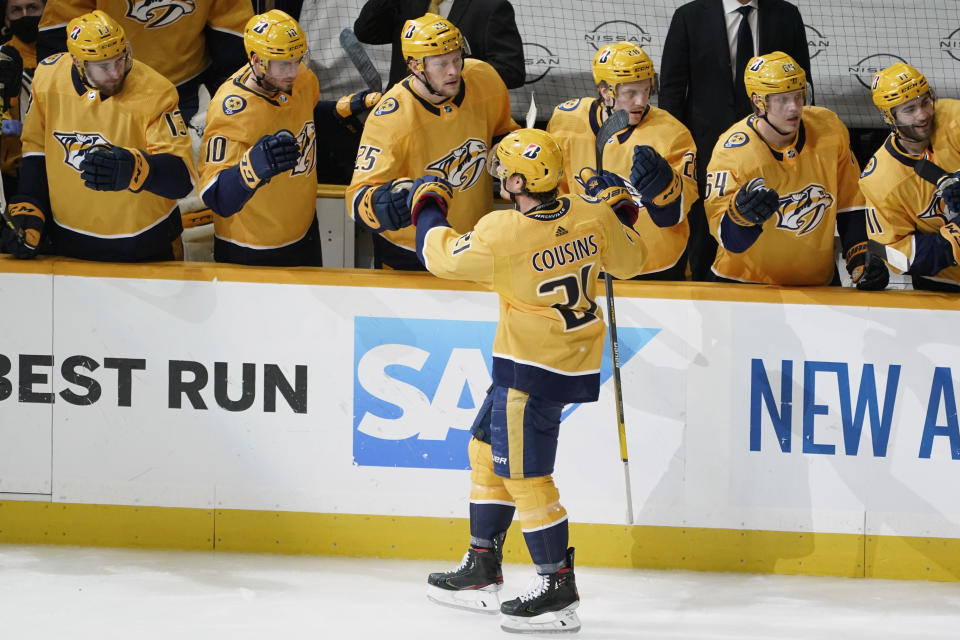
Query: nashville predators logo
pixel 802 211
pixel 76 145
pixel 307 139
pixel 159 13
pixel 936 208
pixel 463 166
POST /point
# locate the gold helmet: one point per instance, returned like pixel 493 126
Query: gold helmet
pixel 535 155
pixel 621 62
pixel 429 35
pixel 95 36
pixel 274 35
pixel 893 86
pixel 773 73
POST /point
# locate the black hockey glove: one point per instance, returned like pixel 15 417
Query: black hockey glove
pixel 271 155
pixel 24 229
pixel 653 177
pixel 389 203
pixel 11 72
pixel 613 190
pixel 107 168
pixel 867 271
pixel 754 204
pixel 426 191
pixel 951 233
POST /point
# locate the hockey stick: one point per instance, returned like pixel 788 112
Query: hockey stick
pixel 933 173
pixel 358 56
pixel 532 111
pixel 617 121
pixel 894 257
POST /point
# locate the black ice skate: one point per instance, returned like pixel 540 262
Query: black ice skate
pixel 549 606
pixel 474 585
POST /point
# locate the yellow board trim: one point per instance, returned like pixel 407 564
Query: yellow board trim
pixel 412 537
pixel 694 291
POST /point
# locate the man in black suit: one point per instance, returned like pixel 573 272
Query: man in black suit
pixel 702 86
pixel 488 26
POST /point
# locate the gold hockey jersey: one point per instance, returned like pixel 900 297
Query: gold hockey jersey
pixel 407 136
pixel 280 212
pixel 544 264
pixel 816 178
pixel 574 125
pixel 66 119
pixel 166 34
pixel 899 202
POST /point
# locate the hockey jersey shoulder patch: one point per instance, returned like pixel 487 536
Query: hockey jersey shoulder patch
pixel 387 106
pixel 570 105
pixel 736 139
pixel 234 104
pixel 51 59
pixel 871 165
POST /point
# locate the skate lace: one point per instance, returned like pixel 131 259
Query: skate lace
pixel 536 588
pixel 463 563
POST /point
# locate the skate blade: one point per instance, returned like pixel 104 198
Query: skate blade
pixel 476 600
pixel 563 621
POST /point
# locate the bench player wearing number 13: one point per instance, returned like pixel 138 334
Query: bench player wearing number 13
pixel 781 182
pixel 543 259
pixel 105 131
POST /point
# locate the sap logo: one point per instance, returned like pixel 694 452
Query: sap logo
pixel 418 384
pixel 417 387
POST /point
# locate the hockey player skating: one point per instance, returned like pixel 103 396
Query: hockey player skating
pixel 656 153
pixel 781 182
pixel 441 120
pixel 260 149
pixel 916 217
pixel 543 260
pixel 104 130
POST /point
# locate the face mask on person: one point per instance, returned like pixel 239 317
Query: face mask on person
pixel 25 28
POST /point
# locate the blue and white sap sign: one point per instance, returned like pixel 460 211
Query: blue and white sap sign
pixel 418 384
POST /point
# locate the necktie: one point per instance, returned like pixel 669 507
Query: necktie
pixel 434 7
pixel 744 53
